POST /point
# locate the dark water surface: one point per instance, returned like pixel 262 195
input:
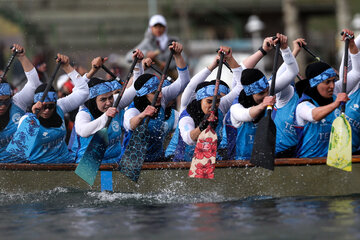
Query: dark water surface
pixel 69 214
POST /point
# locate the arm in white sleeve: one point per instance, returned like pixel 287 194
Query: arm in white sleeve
pixel 304 113
pixel 176 119
pixel 353 76
pixel 189 92
pixel 25 97
pixel 227 100
pixel 172 91
pixel 129 114
pixel 85 127
pixel 78 96
pixel 239 114
pixel 186 125
pixel 288 76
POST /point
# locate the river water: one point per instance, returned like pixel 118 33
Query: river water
pixel 71 214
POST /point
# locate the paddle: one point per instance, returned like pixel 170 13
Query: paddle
pixel 340 143
pixel 114 77
pixel 263 152
pixel 135 152
pixel 90 162
pixel 11 60
pixel 203 161
pixel 310 52
pixel 25 136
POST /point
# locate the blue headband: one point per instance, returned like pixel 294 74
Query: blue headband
pixel 150 86
pixel 116 85
pixel 5 89
pixel 223 89
pixel 50 97
pixel 328 73
pixel 256 87
pixel 204 92
pixel 100 89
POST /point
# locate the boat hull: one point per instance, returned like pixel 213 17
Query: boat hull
pixel 233 179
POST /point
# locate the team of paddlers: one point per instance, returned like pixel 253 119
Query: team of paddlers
pixel 32 125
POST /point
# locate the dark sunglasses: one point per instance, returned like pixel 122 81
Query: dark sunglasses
pixel 5 102
pixel 49 106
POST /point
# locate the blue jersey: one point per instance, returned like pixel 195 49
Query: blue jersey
pixel 50 146
pixel 352 114
pixel 113 150
pixel 158 129
pixel 286 136
pixel 7 133
pixel 245 140
pixel 313 138
pixel 229 138
pixel 184 152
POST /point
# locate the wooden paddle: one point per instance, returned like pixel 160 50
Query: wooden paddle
pixel 263 152
pixel 90 162
pixel 25 136
pixel 203 161
pixel 135 152
pixel 340 144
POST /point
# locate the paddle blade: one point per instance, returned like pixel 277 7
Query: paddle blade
pixel 132 160
pixel 203 162
pixel 90 162
pixel 263 153
pixel 339 153
pixel 24 138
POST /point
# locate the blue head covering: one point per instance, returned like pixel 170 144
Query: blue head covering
pixel 328 73
pixel 5 89
pixel 100 89
pixel 150 86
pixel 256 87
pixel 50 97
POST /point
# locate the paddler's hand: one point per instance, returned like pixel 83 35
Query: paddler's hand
pixel 139 54
pixel 65 63
pixel 111 112
pixel 19 49
pixel 268 101
pixel 341 98
pixel 149 111
pixel 37 106
pixel 147 62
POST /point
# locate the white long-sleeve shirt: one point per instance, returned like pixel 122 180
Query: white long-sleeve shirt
pixel 86 127
pixel 304 109
pixel 187 124
pixel 168 94
pixel 283 90
pixel 25 97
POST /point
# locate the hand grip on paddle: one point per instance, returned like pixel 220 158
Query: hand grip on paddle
pixel 273 38
pixel 347 35
pixel 224 62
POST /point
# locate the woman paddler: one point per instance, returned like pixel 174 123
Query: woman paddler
pixel 158 126
pixel 49 145
pixel 12 108
pixel 316 109
pixel 352 109
pixel 98 108
pixel 251 104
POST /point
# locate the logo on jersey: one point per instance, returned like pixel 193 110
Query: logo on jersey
pixel 115 126
pixel 45 134
pixel 16 118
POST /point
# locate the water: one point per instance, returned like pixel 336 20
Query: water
pixel 70 214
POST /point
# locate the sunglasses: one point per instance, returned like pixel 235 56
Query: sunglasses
pixel 5 102
pixel 49 106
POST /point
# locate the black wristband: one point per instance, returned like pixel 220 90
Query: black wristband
pixel 262 51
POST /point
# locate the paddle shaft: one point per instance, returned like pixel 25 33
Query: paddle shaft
pixel 276 60
pixel 11 59
pixel 117 101
pixel 310 52
pixel 48 86
pixel 346 62
pixel 217 83
pixel 158 90
pixel 114 77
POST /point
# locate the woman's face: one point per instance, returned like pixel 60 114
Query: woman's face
pixel 5 101
pixel 206 104
pixel 47 110
pixel 326 88
pixel 151 96
pixel 104 101
pixel 158 30
pixel 259 97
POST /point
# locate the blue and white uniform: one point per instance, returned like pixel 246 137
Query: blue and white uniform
pixel 19 103
pixel 158 127
pixel 50 146
pixel 240 116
